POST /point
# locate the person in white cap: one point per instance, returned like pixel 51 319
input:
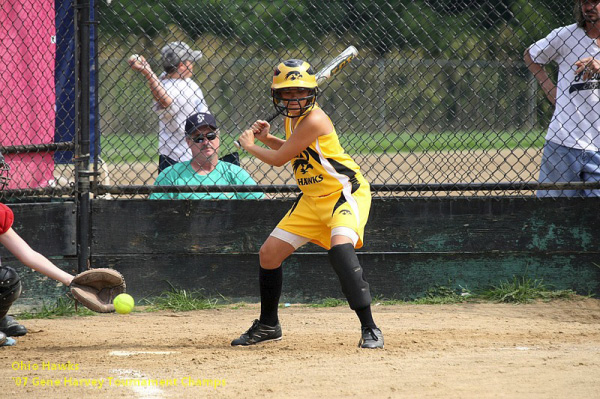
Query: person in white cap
pixel 176 97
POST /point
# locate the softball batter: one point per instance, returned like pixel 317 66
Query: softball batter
pixel 331 211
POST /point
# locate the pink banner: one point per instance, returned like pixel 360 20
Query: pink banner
pixel 27 92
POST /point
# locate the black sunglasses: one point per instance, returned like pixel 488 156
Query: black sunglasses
pixel 200 138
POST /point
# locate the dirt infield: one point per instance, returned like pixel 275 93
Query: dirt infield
pixel 544 350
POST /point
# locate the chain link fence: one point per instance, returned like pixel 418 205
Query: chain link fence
pixel 439 101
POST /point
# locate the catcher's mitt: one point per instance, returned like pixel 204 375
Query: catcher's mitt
pixel 96 288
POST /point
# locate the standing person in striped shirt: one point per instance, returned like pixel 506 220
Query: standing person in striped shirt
pixel 331 211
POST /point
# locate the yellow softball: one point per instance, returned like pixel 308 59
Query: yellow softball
pixel 124 303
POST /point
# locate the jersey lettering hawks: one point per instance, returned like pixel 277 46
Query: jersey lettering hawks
pixel 324 168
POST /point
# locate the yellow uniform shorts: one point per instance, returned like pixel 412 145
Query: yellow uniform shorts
pixel 315 217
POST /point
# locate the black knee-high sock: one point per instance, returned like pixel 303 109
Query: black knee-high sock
pixel 366 317
pixel 270 282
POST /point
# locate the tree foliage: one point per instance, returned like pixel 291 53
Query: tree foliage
pixel 432 27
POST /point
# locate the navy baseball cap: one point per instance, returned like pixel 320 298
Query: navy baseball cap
pixel 199 120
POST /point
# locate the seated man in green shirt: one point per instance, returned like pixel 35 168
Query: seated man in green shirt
pixel 205 168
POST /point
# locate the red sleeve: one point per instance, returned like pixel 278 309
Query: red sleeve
pixel 6 218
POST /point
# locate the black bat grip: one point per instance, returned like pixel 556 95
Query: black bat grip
pixel 273 116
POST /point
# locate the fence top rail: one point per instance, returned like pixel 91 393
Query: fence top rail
pixel 507 186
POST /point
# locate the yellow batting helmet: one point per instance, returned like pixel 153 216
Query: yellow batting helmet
pixel 294 74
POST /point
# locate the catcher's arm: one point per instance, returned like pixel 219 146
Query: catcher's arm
pixel 94 288
pixel 32 259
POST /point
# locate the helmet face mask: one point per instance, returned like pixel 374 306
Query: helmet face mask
pixel 293 107
pixel 4 171
pixel 289 75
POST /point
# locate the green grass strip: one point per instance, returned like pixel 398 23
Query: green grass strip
pixel 130 148
pixel 64 307
pixel 519 290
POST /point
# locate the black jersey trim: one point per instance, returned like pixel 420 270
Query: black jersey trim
pixel 346 171
pixel 293 208
pixel 341 201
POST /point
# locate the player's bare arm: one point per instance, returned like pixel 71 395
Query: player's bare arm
pixel 139 63
pixel 310 128
pixel 36 261
pixel 540 74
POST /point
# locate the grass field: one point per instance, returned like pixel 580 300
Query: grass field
pixel 129 148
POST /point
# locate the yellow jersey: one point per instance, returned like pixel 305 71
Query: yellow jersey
pixel 324 167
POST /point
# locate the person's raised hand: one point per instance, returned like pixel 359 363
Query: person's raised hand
pixel 138 63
